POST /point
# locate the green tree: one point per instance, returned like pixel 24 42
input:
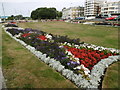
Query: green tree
pixel 45 13
pixel 59 14
pixel 18 17
pixel 11 17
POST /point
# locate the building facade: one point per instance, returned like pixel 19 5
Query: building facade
pixel 72 12
pixel 92 8
pixel 109 8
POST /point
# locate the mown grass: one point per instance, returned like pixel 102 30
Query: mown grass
pixel 98 35
pixel 111 79
pixel 22 69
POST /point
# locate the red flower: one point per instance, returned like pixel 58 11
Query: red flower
pixel 41 37
pixel 88 57
pixel 26 34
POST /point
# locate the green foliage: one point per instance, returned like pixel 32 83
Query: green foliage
pixel 45 13
pixel 17 17
pixel 59 14
pixel 11 17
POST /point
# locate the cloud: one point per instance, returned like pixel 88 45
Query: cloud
pixel 24 7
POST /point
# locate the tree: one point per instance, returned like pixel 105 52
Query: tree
pixel 34 15
pixel 59 14
pixel 45 13
pixel 17 17
pixel 11 17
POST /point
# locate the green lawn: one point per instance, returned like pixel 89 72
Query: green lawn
pixel 23 69
pixel 98 35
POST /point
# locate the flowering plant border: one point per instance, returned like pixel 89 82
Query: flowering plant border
pixel 96 73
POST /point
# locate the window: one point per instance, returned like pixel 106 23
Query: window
pixel 111 7
pixel 105 8
pixel 111 11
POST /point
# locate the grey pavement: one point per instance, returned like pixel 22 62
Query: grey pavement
pixel 2 82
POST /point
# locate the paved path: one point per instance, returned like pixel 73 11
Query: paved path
pixel 2 83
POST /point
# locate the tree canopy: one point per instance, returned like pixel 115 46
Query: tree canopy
pixel 17 17
pixel 45 13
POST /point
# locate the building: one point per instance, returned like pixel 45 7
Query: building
pixel 109 8
pixel 4 17
pixel 72 12
pixel 92 8
pixel 0 20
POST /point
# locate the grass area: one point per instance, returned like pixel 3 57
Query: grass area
pixel 98 35
pixel 111 79
pixel 23 70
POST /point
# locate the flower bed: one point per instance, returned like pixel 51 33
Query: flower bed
pixel 10 25
pixel 81 63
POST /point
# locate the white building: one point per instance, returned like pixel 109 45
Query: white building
pixel 92 8
pixel 72 12
pixel 0 20
pixel 108 8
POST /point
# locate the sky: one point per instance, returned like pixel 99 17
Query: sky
pixel 25 7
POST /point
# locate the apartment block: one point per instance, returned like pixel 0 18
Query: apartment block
pixel 109 8
pixel 72 12
pixel 92 8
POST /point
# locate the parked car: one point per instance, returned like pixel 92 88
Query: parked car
pixel 90 23
pixel 12 23
pixel 111 18
pixel 116 24
pixel 80 18
pixel 103 23
pixel 117 18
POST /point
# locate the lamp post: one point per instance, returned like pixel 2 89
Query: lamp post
pixel 3 11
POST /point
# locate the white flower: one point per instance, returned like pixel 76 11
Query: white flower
pixel 76 59
pixel 69 53
pixel 48 36
pixel 18 35
pixel 65 43
pixel 78 62
pixel 86 70
pixel 89 46
pixel 68 44
pixel 78 67
pixel 61 46
pixel 76 46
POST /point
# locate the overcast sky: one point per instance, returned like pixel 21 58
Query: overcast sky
pixel 24 7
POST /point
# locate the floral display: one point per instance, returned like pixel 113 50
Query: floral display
pixel 76 60
pixel 87 57
pixel 10 25
pixel 25 35
pixel 42 37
